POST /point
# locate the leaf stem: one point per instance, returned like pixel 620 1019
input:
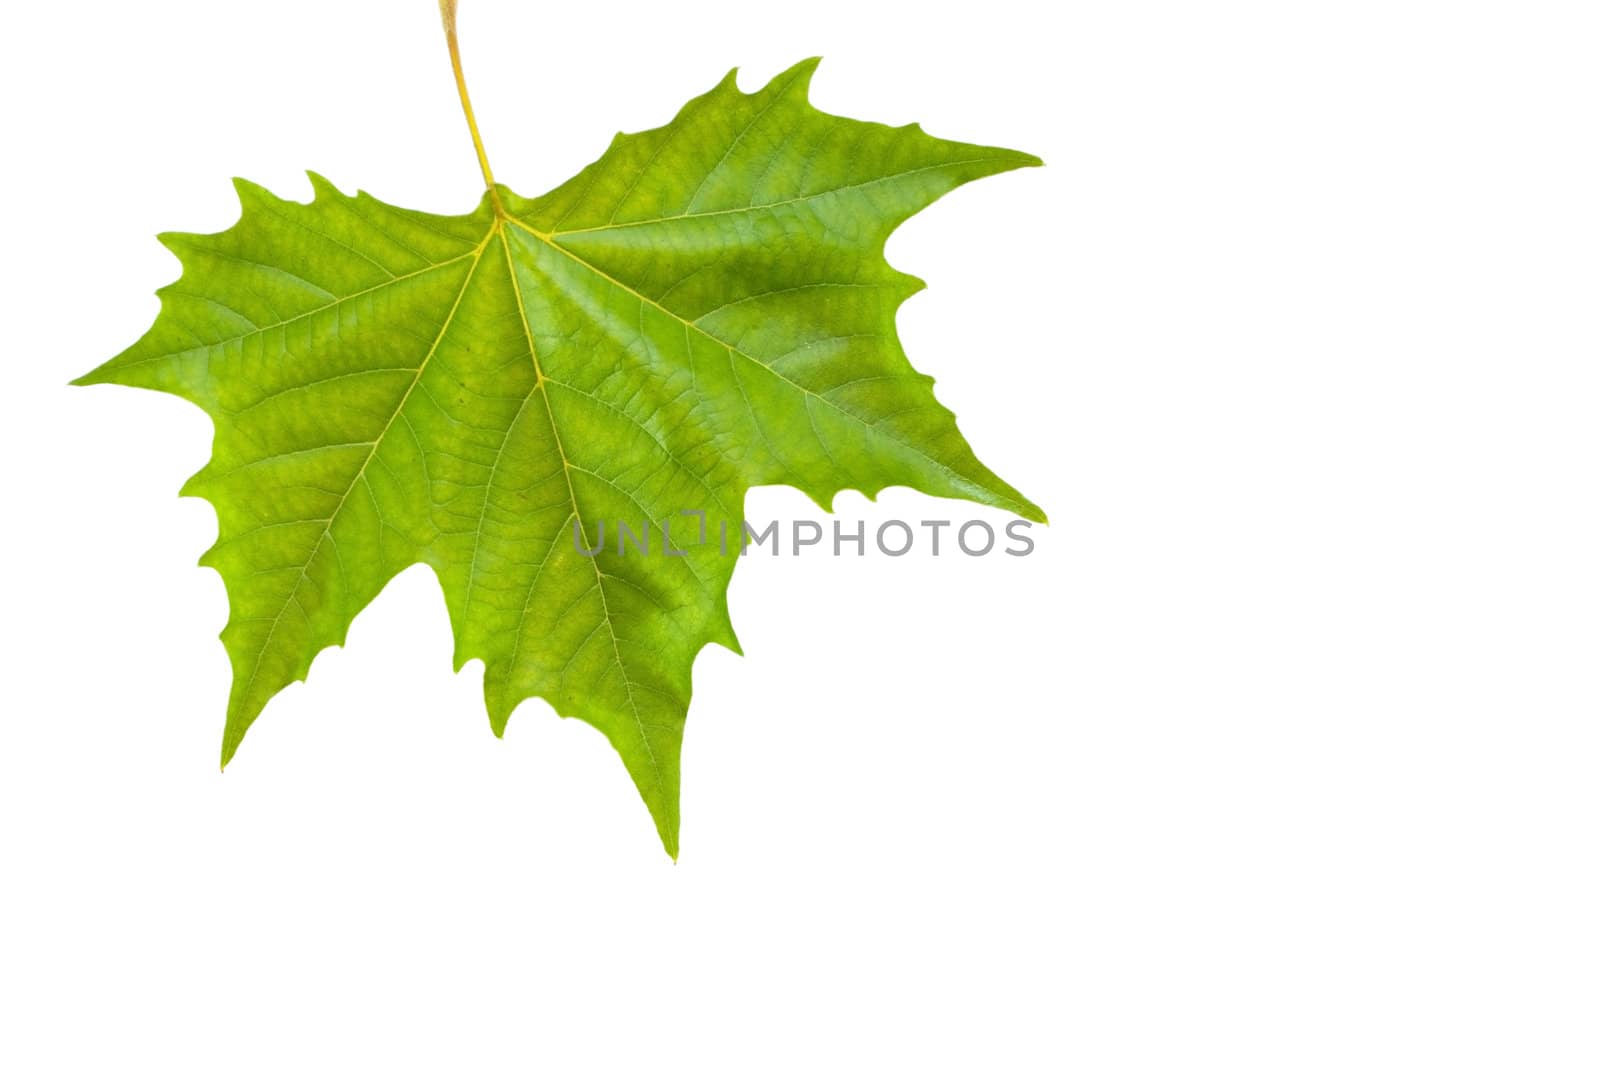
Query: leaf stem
pixel 447 10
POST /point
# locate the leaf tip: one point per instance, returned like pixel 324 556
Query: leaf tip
pixel 247 190
pixel 238 722
pixel 797 79
pixel 498 719
pixel 321 185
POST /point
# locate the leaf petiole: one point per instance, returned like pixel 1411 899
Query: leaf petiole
pixel 447 11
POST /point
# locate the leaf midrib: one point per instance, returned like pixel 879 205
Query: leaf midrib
pixel 691 324
pixel 377 443
pixel 572 494
pixel 319 309
pixel 768 206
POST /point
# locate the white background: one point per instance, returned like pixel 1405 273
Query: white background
pixel 1281 749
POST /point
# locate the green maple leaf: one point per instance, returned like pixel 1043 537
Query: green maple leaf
pixel 704 309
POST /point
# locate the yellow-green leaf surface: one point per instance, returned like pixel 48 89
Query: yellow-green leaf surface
pixel 704 309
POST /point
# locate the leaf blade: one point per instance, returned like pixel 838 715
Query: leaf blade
pixel 704 309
